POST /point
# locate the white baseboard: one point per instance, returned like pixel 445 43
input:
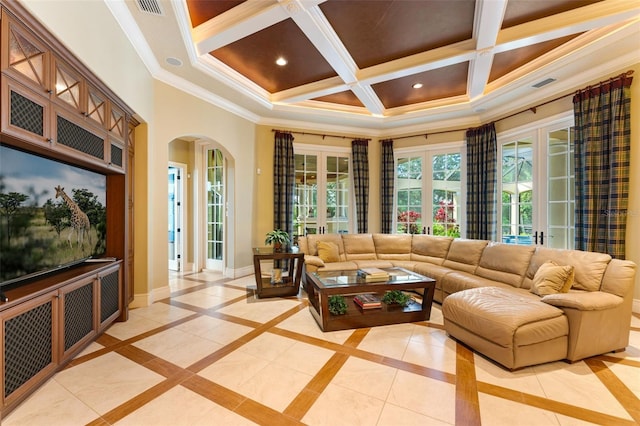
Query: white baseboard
pixel 239 272
pixel 146 299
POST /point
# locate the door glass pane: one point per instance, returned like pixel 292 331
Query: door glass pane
pixel 305 218
pixel 560 181
pixel 409 195
pixel 172 213
pixel 446 194
pixel 215 204
pixel 337 199
pixel 517 192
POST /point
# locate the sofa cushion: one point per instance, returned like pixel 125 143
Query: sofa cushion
pixel 328 251
pixel 552 278
pixel 373 263
pixel 313 239
pixel 619 277
pixel 359 247
pixel 497 313
pixel 392 246
pixel 429 248
pixel 464 255
pixel 589 266
pixel 506 263
pixel 456 281
pixel 339 266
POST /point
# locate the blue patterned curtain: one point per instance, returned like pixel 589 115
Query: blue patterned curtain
pixel 387 177
pixel 283 182
pixel 602 148
pixel 481 182
pixel 360 159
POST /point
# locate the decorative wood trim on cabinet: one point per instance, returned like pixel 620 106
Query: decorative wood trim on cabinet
pixel 83 122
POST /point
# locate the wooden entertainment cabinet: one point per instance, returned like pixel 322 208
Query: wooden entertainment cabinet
pixel 52 105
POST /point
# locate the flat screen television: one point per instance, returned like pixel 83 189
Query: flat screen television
pixel 52 215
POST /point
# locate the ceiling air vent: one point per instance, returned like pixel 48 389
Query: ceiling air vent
pixel 150 6
pixel 543 83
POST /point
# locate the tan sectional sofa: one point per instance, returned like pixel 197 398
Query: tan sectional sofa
pixel 485 291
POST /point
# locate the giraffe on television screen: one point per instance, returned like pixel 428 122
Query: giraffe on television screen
pixel 79 220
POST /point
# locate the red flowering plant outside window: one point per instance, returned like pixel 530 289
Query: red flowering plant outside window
pixel 407 222
pixel 445 220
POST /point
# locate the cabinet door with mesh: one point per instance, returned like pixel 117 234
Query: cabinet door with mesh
pixel 29 354
pixel 109 296
pixel 80 323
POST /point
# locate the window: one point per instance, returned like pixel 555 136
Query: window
pixel 439 212
pixel 323 196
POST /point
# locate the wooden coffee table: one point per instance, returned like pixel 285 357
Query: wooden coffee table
pixel 321 285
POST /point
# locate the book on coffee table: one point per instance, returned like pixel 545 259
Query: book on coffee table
pixel 373 274
pixel 367 301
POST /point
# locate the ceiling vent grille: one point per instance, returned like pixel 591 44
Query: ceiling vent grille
pixel 543 83
pixel 150 6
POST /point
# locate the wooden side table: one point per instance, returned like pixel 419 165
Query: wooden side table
pixel 290 280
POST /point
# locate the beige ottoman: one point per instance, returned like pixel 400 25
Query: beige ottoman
pixel 512 327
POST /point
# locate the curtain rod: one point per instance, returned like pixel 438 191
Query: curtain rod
pixel 532 109
pixel 320 134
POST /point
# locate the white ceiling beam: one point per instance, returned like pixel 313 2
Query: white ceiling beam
pixel 369 99
pixel 567 23
pixel 318 30
pixel 486 27
pixel 419 62
pixel 239 22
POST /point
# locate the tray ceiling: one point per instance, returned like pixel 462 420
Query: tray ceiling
pixel 382 63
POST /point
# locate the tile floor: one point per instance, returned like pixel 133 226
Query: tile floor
pixel 214 355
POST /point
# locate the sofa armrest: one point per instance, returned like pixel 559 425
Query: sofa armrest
pixel 313 260
pixel 587 301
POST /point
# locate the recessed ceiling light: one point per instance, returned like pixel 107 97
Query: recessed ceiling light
pixel 281 61
pixel 174 61
pixel 417 85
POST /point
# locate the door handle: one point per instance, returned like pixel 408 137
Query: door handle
pixel 541 238
pixel 535 237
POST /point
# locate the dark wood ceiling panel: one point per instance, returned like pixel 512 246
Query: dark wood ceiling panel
pixel 200 11
pixel 505 62
pixel 521 11
pixel 437 84
pixel 343 98
pixel 375 32
pixel 255 56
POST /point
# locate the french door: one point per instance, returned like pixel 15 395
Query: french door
pixel 428 195
pixel 215 186
pixel 537 186
pixel 323 200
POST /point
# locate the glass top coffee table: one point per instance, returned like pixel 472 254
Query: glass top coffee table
pixel 322 285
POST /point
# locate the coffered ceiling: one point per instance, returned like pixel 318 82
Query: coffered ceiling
pixel 381 65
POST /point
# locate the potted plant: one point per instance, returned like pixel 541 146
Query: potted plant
pixel 337 305
pixel 396 297
pixel 278 238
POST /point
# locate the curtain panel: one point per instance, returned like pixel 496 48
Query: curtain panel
pixel 387 179
pixel 602 151
pixel 360 160
pixel 283 182
pixel 481 182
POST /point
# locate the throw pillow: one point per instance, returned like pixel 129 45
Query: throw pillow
pixel 552 278
pixel 328 252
